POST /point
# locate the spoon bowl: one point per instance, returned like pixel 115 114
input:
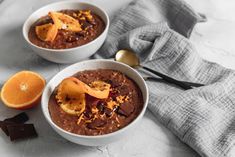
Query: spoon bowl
pixel 130 58
pixel 127 57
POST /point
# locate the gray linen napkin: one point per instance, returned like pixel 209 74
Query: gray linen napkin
pixel 203 118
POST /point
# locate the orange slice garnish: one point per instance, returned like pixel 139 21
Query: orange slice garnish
pixel 46 32
pixel 63 21
pixel 97 89
pixel 23 90
pixel 71 94
pixel 71 100
pixel 75 105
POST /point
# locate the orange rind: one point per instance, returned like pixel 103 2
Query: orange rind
pixel 71 94
pixel 66 22
pixel 23 90
pixel 46 32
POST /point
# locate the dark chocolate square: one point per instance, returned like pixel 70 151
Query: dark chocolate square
pixel 4 125
pixel 21 131
pixel 18 119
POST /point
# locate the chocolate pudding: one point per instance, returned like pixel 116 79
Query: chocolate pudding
pixel 91 28
pixel 101 116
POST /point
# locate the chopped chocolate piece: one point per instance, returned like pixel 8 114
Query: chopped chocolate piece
pixel 4 125
pixel 126 109
pixel 115 84
pixel 124 89
pixel 96 124
pixel 21 131
pixel 115 108
pixel 19 118
pixel 81 33
pixel 86 25
pixel 100 106
pixel 87 114
pixel 108 111
pixel 113 94
pixel 109 81
pixel 91 101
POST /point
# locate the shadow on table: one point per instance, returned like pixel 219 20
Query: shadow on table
pixel 16 55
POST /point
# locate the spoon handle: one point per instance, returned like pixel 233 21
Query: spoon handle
pixel 188 83
pixel 168 79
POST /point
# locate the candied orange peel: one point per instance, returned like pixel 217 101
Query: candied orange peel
pixel 71 100
pixel 48 32
pixel 63 21
pixel 71 94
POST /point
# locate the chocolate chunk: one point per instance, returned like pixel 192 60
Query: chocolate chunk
pixel 108 112
pixel 86 25
pixel 126 109
pixel 4 125
pixel 113 94
pixel 81 33
pixel 91 101
pixel 18 119
pixel 96 124
pixel 21 131
pixel 87 114
pixel 124 90
pixel 113 83
pixel 100 106
pixel 115 108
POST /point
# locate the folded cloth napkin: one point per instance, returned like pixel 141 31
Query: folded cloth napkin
pixel 203 118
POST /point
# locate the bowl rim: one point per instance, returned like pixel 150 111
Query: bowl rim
pixel 25 34
pixel 49 120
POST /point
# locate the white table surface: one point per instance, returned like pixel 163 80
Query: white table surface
pixel 214 40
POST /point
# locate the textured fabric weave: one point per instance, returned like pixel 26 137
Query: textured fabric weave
pixel 203 118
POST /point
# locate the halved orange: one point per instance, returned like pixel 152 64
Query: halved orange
pixel 23 90
pixel 63 21
pixel 46 32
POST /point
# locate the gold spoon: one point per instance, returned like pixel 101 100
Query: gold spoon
pixel 131 59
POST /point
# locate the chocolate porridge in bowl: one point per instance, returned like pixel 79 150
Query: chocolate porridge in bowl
pixel 66 29
pixel 95 102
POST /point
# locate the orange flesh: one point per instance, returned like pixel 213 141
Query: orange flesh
pixel 22 89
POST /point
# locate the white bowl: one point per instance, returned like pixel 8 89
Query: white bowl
pixel 70 55
pixel 91 65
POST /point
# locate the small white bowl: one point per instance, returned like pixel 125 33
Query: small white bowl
pixel 70 55
pixel 92 65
